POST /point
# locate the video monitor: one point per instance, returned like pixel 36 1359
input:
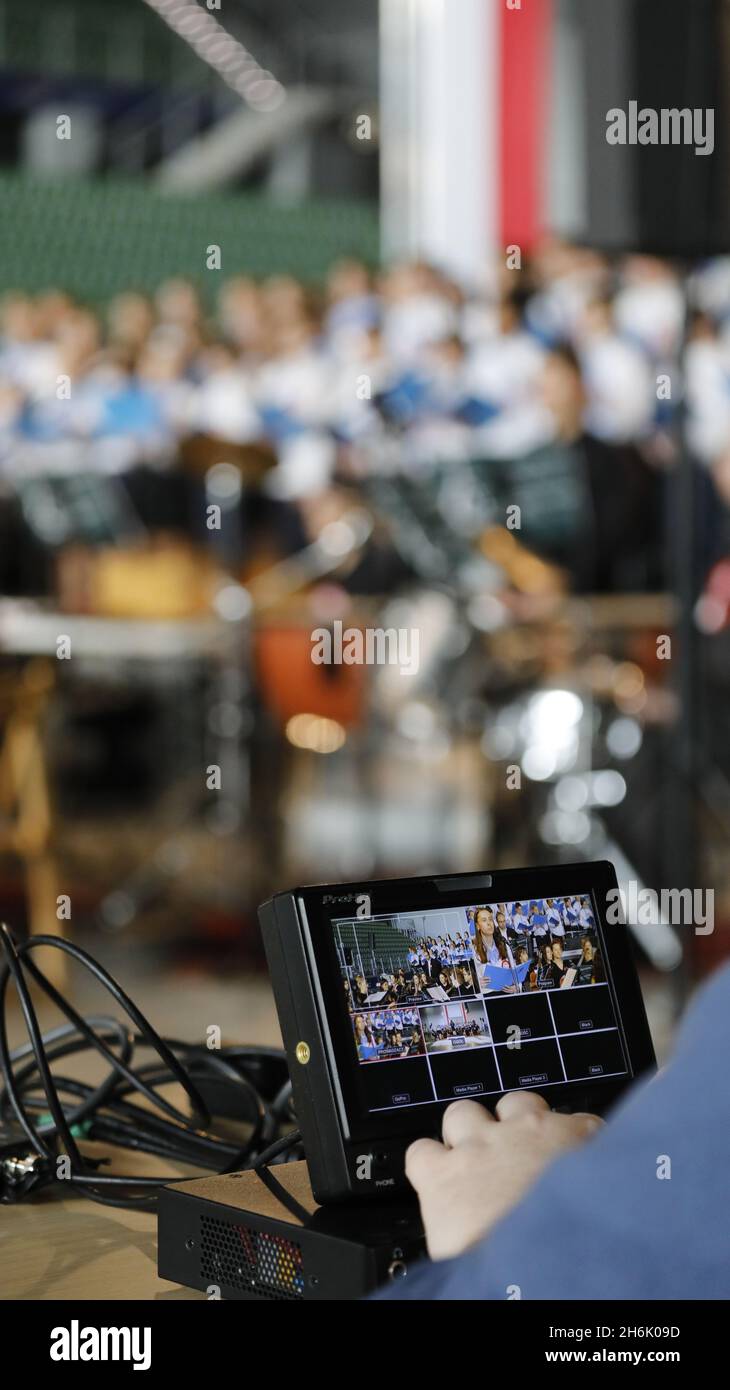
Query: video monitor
pixel 405 996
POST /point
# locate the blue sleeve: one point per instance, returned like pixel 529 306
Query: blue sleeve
pixel 600 1223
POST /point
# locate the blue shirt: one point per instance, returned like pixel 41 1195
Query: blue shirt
pixel 600 1224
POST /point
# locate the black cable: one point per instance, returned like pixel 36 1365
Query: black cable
pixel 94 1098
pixel 281 1145
pixel 278 1190
pixel 282 1102
pixel 130 1008
pixel 13 969
pixel 55 1112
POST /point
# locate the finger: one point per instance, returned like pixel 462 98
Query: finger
pixel 516 1104
pixel 591 1121
pixel 465 1121
pixel 424 1160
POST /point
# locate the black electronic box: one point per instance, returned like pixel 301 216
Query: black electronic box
pixel 251 1236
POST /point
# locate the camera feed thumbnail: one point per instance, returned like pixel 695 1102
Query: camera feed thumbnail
pixel 543 944
pixel 387 1035
pixel 453 1027
pixel 428 975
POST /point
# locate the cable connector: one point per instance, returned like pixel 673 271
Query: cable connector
pixel 21 1173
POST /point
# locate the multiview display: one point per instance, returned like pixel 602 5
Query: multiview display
pixel 477 1000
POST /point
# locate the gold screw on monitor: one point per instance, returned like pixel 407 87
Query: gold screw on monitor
pixel 302 1053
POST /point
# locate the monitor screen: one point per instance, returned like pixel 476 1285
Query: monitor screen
pixel 453 1002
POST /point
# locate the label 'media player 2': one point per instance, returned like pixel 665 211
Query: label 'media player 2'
pixel 397 997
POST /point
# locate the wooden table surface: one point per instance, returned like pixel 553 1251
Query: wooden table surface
pixel 58 1247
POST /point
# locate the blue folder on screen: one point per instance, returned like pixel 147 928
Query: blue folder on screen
pixel 502 976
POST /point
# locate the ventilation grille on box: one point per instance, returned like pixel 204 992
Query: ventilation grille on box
pixel 255 1262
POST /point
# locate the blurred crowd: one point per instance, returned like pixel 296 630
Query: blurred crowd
pixel 393 369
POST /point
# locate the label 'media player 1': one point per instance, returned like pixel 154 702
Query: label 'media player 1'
pixel 397 997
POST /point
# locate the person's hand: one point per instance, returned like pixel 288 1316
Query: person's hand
pixel 485 1165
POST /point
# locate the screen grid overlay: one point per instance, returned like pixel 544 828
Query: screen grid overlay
pixel 477 1000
